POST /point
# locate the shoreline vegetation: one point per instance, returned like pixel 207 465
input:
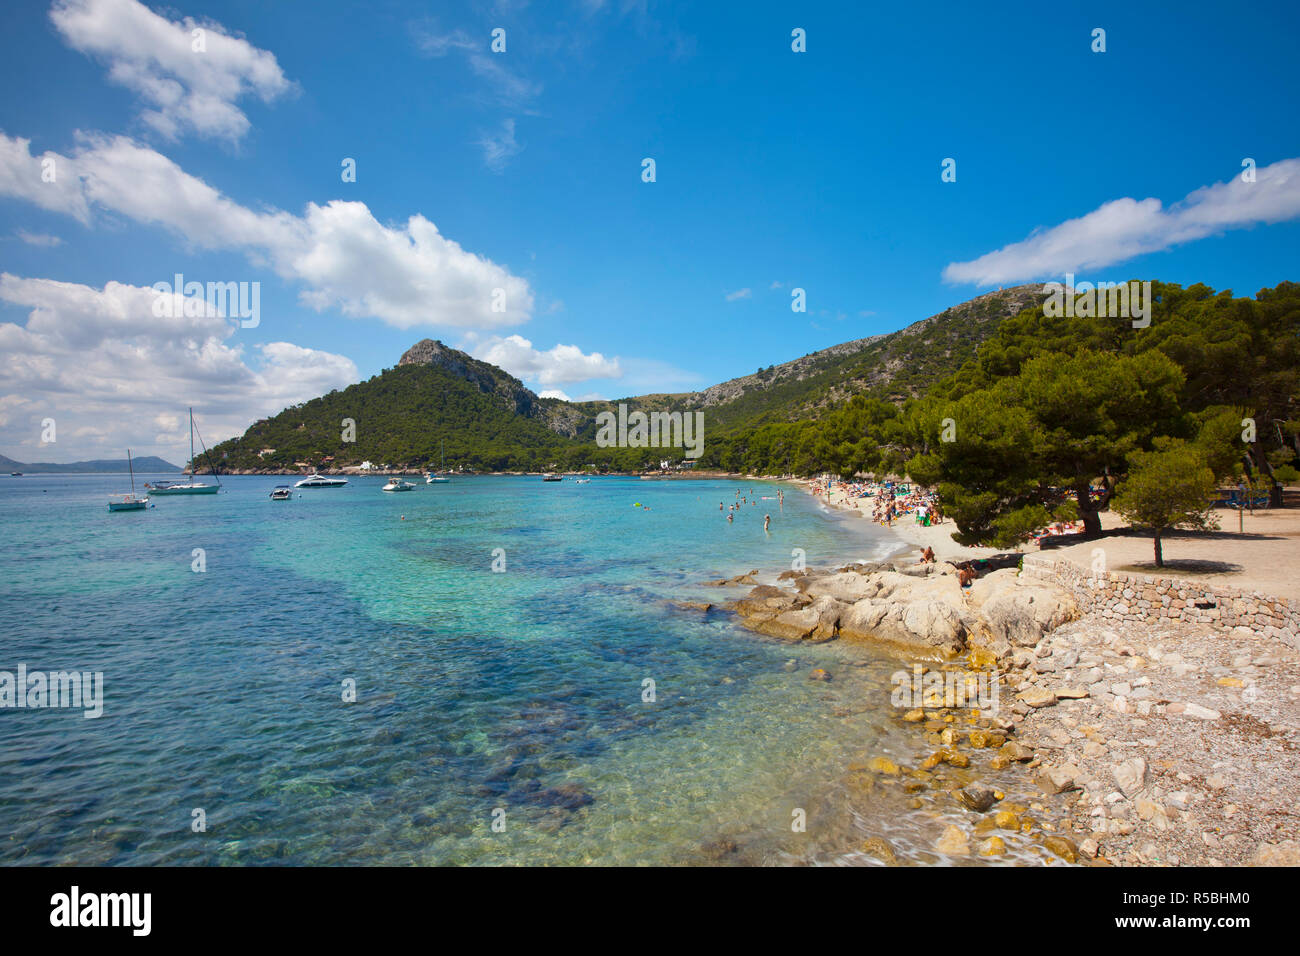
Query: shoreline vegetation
pixel 1115 742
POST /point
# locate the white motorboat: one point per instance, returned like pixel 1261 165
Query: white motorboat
pixel 550 477
pixel 398 484
pixel 281 493
pixel 320 481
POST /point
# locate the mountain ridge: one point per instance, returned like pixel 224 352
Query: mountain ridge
pixel 149 464
pixel 489 402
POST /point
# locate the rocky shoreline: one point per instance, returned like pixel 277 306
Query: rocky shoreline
pixel 1110 743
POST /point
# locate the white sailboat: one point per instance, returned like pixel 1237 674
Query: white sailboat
pixel 438 477
pixel 190 487
pixel 130 502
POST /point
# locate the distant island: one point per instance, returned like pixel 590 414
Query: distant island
pixel 149 465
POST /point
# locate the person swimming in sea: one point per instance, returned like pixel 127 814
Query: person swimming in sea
pixel 767 520
pixel 730 518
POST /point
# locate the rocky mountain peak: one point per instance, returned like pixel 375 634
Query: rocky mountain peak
pixel 487 377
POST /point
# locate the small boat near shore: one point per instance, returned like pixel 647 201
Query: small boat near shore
pixel 281 493
pixel 398 484
pixel 550 477
pixel 320 481
pixel 438 477
pixel 132 501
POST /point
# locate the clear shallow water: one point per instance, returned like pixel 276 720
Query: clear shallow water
pixel 476 690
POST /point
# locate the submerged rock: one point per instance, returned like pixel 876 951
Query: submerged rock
pixel 884 765
pixel 720 848
pixel 567 796
pixel 978 799
pixel 1063 847
pixel 953 842
pixel 879 848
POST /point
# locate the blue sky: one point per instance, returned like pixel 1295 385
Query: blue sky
pixel 774 170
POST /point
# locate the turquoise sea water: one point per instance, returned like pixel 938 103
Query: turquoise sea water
pixel 518 692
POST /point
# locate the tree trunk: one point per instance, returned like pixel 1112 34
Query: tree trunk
pixel 1090 516
pixel 1266 469
pixel 1160 556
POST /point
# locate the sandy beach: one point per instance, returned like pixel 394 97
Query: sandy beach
pixel 1259 552
pixel 938 536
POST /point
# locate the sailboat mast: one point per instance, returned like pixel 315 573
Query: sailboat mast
pixel 131 470
pixel 191 444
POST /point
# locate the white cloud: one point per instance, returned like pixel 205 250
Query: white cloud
pixel 508 89
pixel 39 239
pixel 405 275
pixel 554 393
pixel 556 366
pixel 500 146
pixel 187 90
pixel 440 44
pixel 1123 229
pixel 111 373
pixel 47 180
pixel 745 293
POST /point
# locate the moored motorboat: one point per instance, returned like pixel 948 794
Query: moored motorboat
pixel 190 487
pixel 398 484
pixel 550 477
pixel 281 493
pixel 320 481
